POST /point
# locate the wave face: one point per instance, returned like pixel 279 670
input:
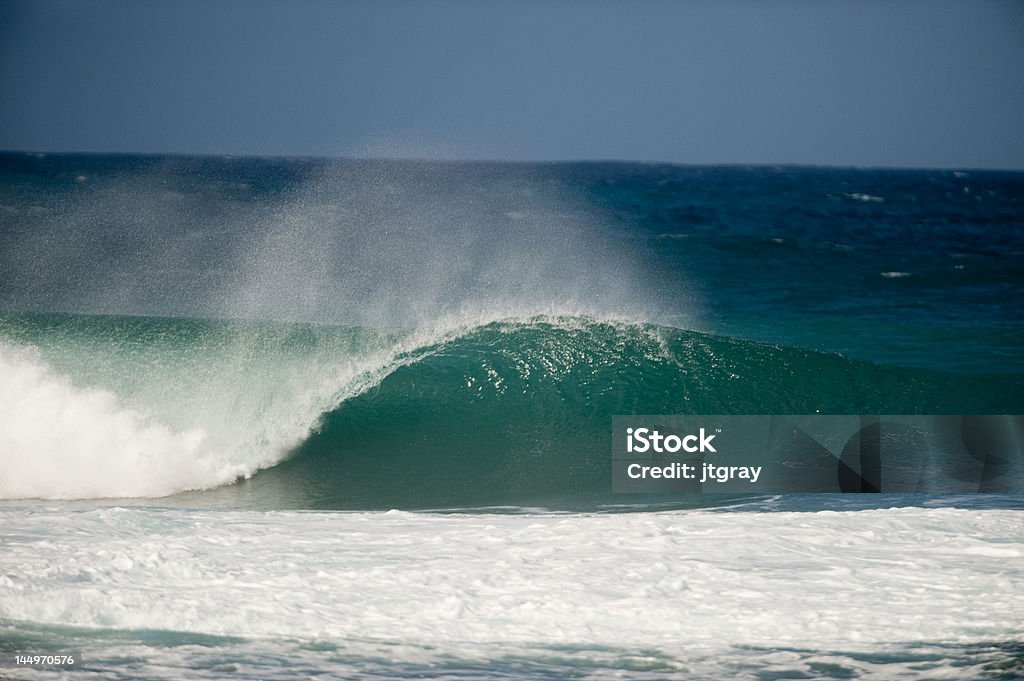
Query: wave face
pixel 519 412
pixel 513 411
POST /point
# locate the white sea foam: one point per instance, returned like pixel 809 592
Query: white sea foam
pixel 866 198
pixel 61 441
pixel 711 594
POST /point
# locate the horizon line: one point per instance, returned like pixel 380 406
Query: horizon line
pixel 466 160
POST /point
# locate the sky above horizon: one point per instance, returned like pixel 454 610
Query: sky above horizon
pixel 922 83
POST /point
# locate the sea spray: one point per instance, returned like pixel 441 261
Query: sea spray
pixel 365 243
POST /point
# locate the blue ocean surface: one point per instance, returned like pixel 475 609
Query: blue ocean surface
pixel 281 418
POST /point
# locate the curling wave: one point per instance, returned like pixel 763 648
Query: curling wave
pixel 509 411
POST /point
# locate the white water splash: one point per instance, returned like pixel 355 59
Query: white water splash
pixel 708 594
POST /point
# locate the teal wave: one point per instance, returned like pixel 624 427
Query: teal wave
pixel 520 413
pixel 513 412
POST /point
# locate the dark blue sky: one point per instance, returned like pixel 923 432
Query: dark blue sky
pixel 923 83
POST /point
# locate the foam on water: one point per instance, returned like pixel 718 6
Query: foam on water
pixel 705 593
pixel 64 441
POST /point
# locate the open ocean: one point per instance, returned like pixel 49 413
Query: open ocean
pixel 294 418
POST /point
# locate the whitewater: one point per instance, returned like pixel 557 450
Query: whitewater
pixel 658 595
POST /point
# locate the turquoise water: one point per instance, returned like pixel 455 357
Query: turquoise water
pixel 513 412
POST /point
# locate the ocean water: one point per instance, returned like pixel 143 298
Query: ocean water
pixel 281 418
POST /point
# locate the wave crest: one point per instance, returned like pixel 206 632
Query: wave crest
pixel 514 410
